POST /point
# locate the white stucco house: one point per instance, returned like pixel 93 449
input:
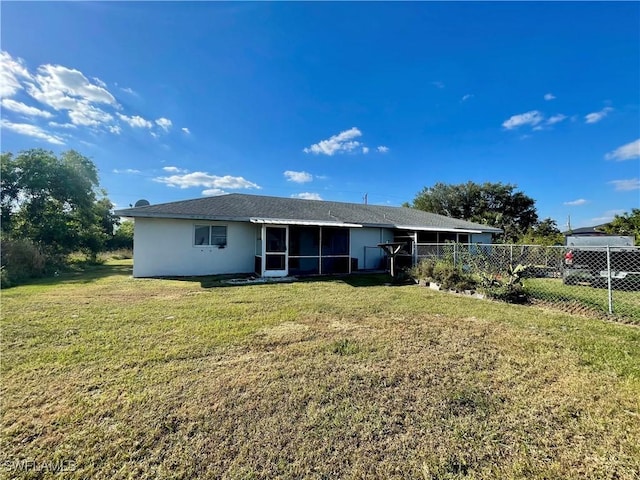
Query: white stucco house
pixel 272 236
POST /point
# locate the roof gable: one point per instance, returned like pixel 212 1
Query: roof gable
pixel 258 208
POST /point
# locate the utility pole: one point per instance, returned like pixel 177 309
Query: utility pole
pixel 365 198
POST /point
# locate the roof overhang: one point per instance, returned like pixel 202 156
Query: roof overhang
pixel 315 223
pixel 440 229
pixel 178 216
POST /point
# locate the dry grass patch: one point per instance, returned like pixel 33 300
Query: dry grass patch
pixel 311 380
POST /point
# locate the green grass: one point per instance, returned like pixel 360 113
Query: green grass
pixel 335 378
pixel 626 304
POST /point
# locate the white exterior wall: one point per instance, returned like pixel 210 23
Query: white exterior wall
pixel 164 247
pixel 481 238
pixel 369 237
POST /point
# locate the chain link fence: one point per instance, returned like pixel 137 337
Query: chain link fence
pixel 599 281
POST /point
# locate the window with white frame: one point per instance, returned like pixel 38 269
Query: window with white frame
pixel 214 235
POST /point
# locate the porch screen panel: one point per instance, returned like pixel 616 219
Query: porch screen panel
pixel 304 250
pixel 304 265
pixel 427 237
pixel 304 241
pixel 332 265
pixel 335 241
pixel 448 237
pixel 335 250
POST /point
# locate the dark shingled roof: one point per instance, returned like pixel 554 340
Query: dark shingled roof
pixel 595 230
pixel 241 207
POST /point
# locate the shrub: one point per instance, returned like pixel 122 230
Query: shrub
pixel 423 270
pixel 508 288
pixel 445 273
pixel 21 259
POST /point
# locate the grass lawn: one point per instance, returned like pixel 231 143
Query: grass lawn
pixel 106 376
pixel 582 297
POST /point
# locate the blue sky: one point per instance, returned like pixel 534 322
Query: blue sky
pixel 333 100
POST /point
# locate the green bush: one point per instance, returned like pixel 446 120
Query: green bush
pixel 21 259
pixel 423 270
pixel 444 272
pixel 5 281
pixel 508 287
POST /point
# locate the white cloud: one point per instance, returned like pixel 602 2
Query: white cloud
pixel 164 123
pixel 365 150
pixel 62 125
pixel 186 130
pixel 53 98
pixel 625 152
pixel 298 177
pixel 128 170
pixel 63 88
pixel 213 192
pixel 626 185
pixel 31 131
pixel 24 109
pixel 307 196
pixel 549 96
pixel 342 142
pixel 382 149
pixel 533 118
pixel 11 71
pixel 468 96
pixel 597 116
pixel 99 82
pixel 438 84
pixel 63 80
pixel 576 203
pixel 85 99
pixel 88 115
pixel 556 119
pixel 172 169
pixel 203 179
pixel 135 121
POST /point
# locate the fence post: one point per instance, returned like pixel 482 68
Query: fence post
pixel 609 292
pixel 511 256
pixel 455 254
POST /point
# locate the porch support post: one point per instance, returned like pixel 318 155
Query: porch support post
pixel 263 263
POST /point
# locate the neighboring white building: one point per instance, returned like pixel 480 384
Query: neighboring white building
pixel 273 236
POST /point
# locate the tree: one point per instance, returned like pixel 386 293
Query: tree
pixel 626 224
pixel 52 201
pixel 545 232
pixel 494 204
pixel 122 237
